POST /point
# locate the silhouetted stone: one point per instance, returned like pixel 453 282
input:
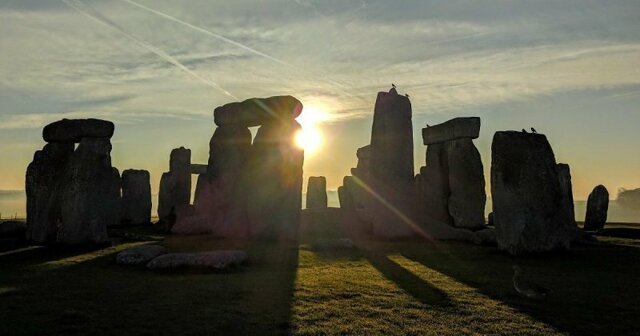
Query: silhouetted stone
pixel 258 111
pixel 467 196
pixel 345 199
pixel 597 207
pixel 276 171
pixel 317 192
pixel 391 166
pixel 458 128
pixel 73 130
pixel 43 188
pixel 361 174
pixel 214 260
pixel 198 168
pixel 221 195
pixel 136 197
pixel 564 177
pixel 175 185
pixel 434 204
pixel 527 196
pixel 139 255
pixel 90 194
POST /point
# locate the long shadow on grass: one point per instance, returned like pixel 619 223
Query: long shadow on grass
pixel 96 296
pixel 421 290
pixel 594 289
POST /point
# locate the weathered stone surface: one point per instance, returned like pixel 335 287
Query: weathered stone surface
pixel 391 166
pixel 276 168
pixel 136 197
pixel 345 199
pixel 73 130
pixel 467 196
pixel 198 168
pixel 527 196
pixel 317 192
pixel 139 255
pixel 453 129
pixel 434 204
pixel 214 260
pixel 564 177
pixel 43 188
pixel 90 194
pixel 258 111
pixel 597 208
pixel 175 185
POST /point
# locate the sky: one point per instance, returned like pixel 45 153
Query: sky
pixel 157 69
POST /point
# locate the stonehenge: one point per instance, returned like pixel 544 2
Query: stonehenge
pixel 73 195
pixel 317 192
pixel 175 185
pixel 529 199
pixel 391 166
pixel 249 189
pixel 597 208
pixel 452 181
pixel 136 197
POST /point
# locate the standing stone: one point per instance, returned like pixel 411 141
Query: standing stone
pixel 391 166
pixel 345 199
pixel 527 196
pixel 317 192
pixel 467 196
pixel 564 177
pixel 43 188
pixel 597 207
pixel 434 204
pixel 175 185
pixel 360 181
pixel 276 172
pixel 226 186
pixel 90 194
pixel 136 197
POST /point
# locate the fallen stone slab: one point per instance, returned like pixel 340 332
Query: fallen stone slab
pixel 214 260
pixel 139 255
pixel 73 130
pixel 457 128
pixel 258 111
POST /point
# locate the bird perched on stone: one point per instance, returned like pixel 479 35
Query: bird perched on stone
pixel 406 95
pixel 533 130
pixel 393 85
pixel 428 125
pixel 526 288
pixel 523 131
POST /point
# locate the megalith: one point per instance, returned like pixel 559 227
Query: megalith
pixel 527 195
pixel 43 188
pixel 317 192
pixel 391 166
pixel 90 194
pixel 276 171
pixel 597 208
pixel 136 197
pixel 175 185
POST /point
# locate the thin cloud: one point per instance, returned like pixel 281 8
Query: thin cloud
pixel 97 17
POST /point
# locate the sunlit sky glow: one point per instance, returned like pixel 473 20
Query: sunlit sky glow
pixel 571 69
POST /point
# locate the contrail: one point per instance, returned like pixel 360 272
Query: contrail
pixel 95 16
pixel 237 44
pixel 207 32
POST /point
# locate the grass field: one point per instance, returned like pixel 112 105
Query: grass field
pixel 400 288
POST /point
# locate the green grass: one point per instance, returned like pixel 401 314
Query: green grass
pixel 395 288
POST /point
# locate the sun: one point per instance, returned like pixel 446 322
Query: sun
pixel 310 137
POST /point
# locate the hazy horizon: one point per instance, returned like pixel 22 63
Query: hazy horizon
pixel 157 69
